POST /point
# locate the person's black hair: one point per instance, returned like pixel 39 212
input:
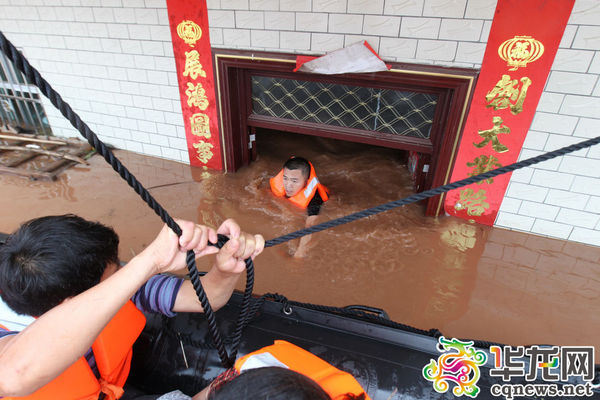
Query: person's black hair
pixel 298 163
pixel 50 259
pixel 273 383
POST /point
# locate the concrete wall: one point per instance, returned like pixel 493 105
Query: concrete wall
pixel 112 60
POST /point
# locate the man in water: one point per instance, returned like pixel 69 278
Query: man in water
pixel 298 183
pixel 65 271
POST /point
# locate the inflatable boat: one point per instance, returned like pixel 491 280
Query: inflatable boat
pixel 390 360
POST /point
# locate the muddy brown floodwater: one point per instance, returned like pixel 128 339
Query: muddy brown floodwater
pixel 466 280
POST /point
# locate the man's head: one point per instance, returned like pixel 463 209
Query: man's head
pixel 296 171
pixel 50 259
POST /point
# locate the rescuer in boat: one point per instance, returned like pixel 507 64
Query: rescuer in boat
pixel 298 182
pixel 283 371
pixel 65 270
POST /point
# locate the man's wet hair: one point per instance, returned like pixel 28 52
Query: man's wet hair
pixel 50 259
pixel 273 383
pixel 298 163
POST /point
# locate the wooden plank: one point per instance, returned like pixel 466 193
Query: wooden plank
pixel 27 172
pixel 86 148
pixel 63 154
pixel 22 139
pixel 27 157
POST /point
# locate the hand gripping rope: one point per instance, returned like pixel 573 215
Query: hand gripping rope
pixel 228 359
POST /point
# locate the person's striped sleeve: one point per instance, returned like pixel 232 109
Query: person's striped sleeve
pixel 158 294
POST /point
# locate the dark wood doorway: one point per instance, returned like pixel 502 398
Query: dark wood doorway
pixel 420 109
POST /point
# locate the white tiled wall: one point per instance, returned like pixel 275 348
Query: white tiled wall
pixel 567 189
pixel 112 60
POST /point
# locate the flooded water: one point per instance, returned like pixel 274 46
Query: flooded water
pixel 467 280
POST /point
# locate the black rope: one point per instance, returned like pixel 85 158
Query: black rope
pixel 34 76
pixel 431 192
pixel 247 311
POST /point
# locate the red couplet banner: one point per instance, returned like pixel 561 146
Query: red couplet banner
pixel 191 45
pixel 523 41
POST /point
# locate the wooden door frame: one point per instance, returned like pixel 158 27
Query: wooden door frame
pixel 454 87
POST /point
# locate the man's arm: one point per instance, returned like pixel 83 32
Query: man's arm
pixel 50 344
pixel 302 249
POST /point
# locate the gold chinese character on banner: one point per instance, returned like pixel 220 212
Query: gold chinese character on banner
pixel 483 164
pixel 196 96
pixel 506 94
pixel 520 51
pixel 492 135
pixel 193 68
pixel 473 202
pixel 200 125
pixel 203 150
pixel 189 31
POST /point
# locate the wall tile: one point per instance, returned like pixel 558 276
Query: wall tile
pixel 381 25
pixel 365 6
pixel 284 21
pixel 586 185
pixel 436 50
pixel 236 37
pixel 593 205
pixel 578 218
pixel 554 123
pixel 566 199
pixel 583 106
pixel 403 7
pixel 331 6
pixel 514 221
pixel 553 229
pixel 393 47
pixel 551 179
pixel 570 82
pixel 550 102
pixel 483 9
pixel 527 192
pixel 326 42
pixel 587 37
pixel 580 166
pixel 294 40
pixel 264 38
pixel 510 205
pixel 444 8
pixel 572 60
pixel 345 23
pixel 264 5
pixel 568 36
pixel 586 236
pixel 221 19
pixel 538 210
pixel 470 52
pixel 311 22
pixel 422 28
pixel 249 19
pixel 585 12
pixel 295 5
pixel 461 29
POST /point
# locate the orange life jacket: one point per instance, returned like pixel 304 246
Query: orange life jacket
pixel 304 196
pixel 284 354
pixel 112 350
